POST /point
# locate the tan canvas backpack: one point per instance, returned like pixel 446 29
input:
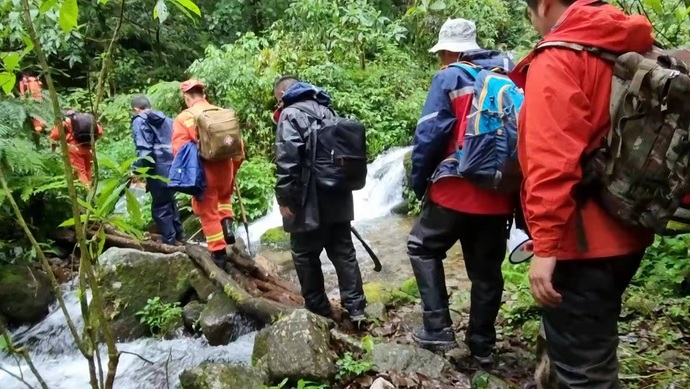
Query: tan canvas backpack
pixel 218 132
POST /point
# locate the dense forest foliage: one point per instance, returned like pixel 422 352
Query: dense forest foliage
pixel 370 55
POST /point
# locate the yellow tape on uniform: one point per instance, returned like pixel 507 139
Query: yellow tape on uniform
pixel 215 237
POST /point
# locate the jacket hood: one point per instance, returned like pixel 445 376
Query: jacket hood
pixel 305 91
pixel 605 27
pixel 154 118
pixel 488 59
pixel 601 26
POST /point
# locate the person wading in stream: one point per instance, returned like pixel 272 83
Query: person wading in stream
pixel 565 117
pixel 454 208
pixel 152 133
pixel 214 210
pixel 316 218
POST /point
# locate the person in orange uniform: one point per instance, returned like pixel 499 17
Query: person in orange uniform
pixel 80 155
pixel 32 85
pixel 214 209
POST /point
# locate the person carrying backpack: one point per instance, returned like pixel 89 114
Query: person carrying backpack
pixel 320 160
pixel 32 86
pixel 78 130
pixel 456 208
pixel 216 132
pixel 152 134
pixel 585 256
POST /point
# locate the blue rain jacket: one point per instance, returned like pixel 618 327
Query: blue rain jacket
pixel 152 133
pixel 187 172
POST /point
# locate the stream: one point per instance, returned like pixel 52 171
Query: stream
pixel 154 364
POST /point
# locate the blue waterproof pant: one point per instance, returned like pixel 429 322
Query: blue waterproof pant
pixel 164 211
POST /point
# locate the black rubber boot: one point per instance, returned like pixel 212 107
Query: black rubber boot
pixel 220 258
pixel 228 231
pixel 442 340
pixel 357 315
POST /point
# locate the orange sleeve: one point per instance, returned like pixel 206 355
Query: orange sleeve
pixel 557 129
pixel 183 128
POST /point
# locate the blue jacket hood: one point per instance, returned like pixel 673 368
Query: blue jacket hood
pixel 305 91
pixel 489 59
pixel 154 118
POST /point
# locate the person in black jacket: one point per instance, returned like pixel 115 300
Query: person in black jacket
pixel 317 219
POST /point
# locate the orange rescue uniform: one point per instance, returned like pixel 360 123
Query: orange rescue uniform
pixel 34 86
pixel 220 178
pixel 80 156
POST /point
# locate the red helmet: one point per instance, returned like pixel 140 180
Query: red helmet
pixel 190 84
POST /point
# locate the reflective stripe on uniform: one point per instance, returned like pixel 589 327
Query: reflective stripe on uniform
pixel 461 92
pixel 224 207
pixel 215 237
pixel 427 117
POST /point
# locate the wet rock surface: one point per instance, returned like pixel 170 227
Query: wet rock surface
pixel 222 376
pixel 25 294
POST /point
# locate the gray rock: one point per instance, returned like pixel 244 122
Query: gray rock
pixel 220 321
pixel 191 315
pixel 25 294
pixel 297 346
pixel 484 380
pixel 130 277
pixel 404 358
pixel 219 376
pixel 376 311
pixel 203 287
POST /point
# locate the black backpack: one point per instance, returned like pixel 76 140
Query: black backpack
pixel 338 150
pixel 82 124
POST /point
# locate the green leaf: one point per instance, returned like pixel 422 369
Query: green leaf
pixel 134 208
pixel 11 61
pixel 47 5
pixel 7 81
pixel 438 5
pixel 190 5
pixel 160 11
pixel 70 222
pixel 69 14
pixel 655 5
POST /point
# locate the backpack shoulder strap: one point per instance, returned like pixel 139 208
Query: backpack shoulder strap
pixel 611 57
pixel 471 69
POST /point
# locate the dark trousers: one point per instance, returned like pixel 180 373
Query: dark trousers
pixel 582 332
pixel 336 238
pixel 483 240
pixel 164 211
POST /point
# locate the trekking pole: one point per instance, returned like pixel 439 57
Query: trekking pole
pixel 244 216
pixel 377 263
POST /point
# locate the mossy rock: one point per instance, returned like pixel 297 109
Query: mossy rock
pixel 130 277
pixel 276 238
pixel 377 292
pixel 220 376
pixel 25 294
pixel 407 163
pixel 410 287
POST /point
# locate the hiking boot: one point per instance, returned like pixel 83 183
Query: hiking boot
pixel 357 315
pixel 484 362
pixel 220 258
pixel 228 231
pixel 437 339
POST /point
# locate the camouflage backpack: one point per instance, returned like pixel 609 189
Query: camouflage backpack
pixel 641 172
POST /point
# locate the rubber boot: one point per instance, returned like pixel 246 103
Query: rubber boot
pixel 228 231
pixel 437 340
pixel 220 258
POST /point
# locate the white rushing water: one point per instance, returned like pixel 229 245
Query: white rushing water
pixel 382 192
pixel 156 364
pixel 152 364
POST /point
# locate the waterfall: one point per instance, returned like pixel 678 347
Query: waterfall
pixel 382 192
pixel 147 364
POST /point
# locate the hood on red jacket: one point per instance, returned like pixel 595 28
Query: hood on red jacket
pixel 602 26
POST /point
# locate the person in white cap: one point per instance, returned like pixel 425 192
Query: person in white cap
pixel 454 208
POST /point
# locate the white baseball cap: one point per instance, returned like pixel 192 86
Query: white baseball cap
pixel 457 36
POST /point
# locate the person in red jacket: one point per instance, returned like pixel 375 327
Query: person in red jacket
pixel 454 208
pixel 32 86
pixel 215 209
pixel 564 117
pixel 80 155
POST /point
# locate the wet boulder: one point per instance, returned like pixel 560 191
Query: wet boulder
pixel 222 376
pixel 130 277
pixel 25 294
pixel 411 359
pixel 296 346
pixel 276 238
pixel 191 315
pixel 221 322
pixel 484 380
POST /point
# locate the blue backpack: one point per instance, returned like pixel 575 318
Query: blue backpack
pixel 488 156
